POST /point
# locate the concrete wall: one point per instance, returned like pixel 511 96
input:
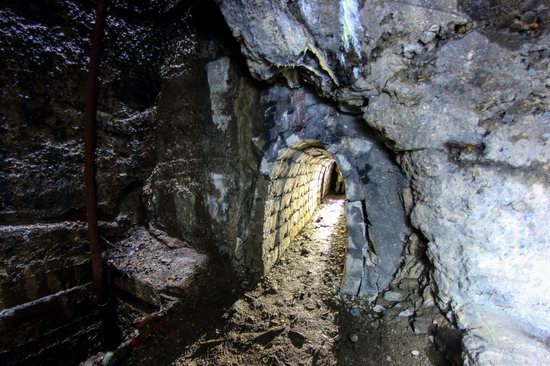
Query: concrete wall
pixel 295 192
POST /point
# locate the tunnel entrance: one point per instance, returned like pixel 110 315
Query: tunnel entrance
pixel 302 176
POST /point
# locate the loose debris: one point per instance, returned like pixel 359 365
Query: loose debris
pixel 296 316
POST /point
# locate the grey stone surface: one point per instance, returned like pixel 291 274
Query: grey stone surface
pixel 355 222
pixel 149 266
pixel 480 181
pixel 410 50
pixel 406 313
pixel 427 36
pixel 394 296
pixel 208 138
pixel 218 75
pixel 504 343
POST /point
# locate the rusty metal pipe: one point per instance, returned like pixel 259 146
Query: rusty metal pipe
pixel 90 137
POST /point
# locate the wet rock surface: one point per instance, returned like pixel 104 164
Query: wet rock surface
pixel 45 46
pixel 44 266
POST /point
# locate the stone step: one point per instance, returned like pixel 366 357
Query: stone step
pixel 154 267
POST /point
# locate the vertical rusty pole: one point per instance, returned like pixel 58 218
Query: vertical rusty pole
pixel 90 132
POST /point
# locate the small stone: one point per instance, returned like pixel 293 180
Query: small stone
pixel 355 311
pixel 428 298
pixel 422 325
pixel 412 49
pixel 519 26
pixel 435 28
pixel 353 337
pixel 427 37
pixel 394 296
pixel 461 21
pixel 107 360
pixel 406 313
pixel 388 358
pixel 378 308
pixel 418 303
pixel 415 353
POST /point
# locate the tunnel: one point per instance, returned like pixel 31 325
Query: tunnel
pixel 301 177
pixel 377 228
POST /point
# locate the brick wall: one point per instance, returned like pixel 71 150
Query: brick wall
pixel 295 191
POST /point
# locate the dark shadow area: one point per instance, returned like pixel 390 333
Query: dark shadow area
pixel 510 23
pixel 337 185
pixel 161 336
pixel 271 323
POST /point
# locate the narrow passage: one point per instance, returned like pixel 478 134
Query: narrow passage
pixel 290 318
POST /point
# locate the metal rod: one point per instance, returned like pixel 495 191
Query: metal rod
pixel 90 137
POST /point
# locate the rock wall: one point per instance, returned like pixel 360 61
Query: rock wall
pixel 295 191
pixel 459 91
pixel 44 288
pixel 46 303
pixel 202 186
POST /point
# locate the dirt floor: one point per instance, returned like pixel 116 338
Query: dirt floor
pixel 295 316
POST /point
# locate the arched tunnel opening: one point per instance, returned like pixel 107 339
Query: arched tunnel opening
pixel 301 178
